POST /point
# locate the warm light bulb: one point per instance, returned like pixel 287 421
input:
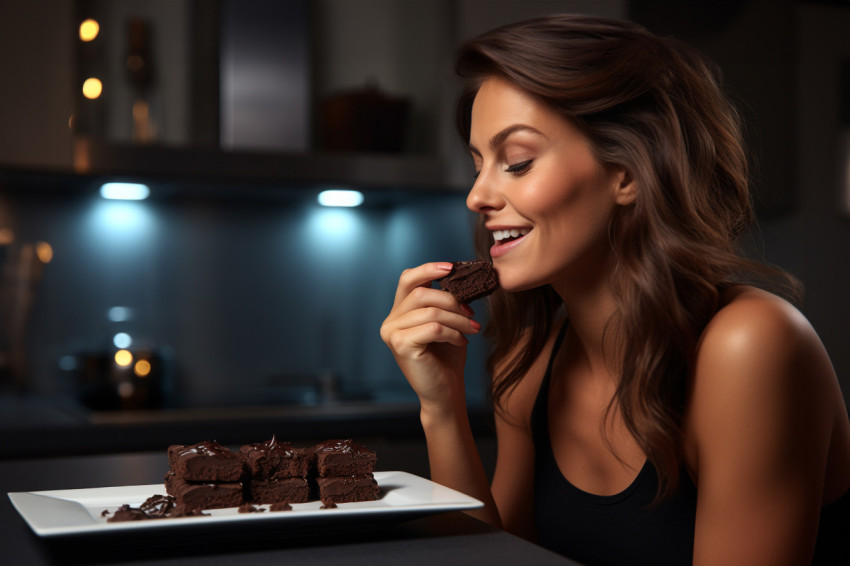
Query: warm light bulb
pixel 142 368
pixel 89 29
pixel 92 88
pixel 123 358
pixel 44 251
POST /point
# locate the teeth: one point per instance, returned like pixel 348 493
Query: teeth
pixel 500 235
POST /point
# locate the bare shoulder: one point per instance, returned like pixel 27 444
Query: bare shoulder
pixel 761 330
pixel 767 437
pixel 761 367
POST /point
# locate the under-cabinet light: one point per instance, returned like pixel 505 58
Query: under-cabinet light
pixel 125 191
pixel 340 197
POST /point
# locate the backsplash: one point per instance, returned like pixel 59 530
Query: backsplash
pixel 240 301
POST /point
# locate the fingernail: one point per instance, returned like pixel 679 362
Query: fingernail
pixel 467 310
pixel 445 266
pixel 475 325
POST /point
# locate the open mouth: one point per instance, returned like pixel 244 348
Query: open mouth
pixel 504 236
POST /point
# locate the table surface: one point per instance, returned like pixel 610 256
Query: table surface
pixel 446 538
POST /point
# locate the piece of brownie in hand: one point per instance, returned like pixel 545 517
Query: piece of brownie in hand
pixel 470 280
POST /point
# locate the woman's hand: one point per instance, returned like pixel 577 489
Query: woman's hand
pixel 426 332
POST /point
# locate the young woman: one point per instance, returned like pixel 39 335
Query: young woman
pixel 654 403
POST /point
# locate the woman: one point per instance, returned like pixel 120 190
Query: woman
pixel 652 404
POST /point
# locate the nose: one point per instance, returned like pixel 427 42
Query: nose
pixel 483 196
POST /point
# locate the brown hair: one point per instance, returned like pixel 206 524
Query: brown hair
pixel 655 107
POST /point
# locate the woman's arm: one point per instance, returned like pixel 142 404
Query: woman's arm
pixel 762 408
pixel 426 332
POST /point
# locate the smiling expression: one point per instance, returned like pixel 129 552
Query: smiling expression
pixel 545 198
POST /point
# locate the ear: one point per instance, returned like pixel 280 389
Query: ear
pixel 625 187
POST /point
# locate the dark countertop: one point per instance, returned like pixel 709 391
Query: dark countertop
pixel 446 538
pixel 43 427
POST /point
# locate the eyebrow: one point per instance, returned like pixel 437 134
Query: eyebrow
pixel 500 137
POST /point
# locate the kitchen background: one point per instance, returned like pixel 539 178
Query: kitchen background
pixel 230 280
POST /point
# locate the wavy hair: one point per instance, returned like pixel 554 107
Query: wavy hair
pixel 655 107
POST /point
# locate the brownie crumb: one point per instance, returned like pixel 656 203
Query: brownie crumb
pixel 127 513
pixel 248 508
pixel 183 511
pixel 282 506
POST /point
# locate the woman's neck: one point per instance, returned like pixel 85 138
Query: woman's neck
pixel 590 309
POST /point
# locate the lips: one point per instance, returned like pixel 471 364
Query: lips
pixel 505 239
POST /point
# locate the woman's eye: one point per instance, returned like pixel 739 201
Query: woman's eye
pixel 519 168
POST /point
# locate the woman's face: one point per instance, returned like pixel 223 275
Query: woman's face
pixel 545 199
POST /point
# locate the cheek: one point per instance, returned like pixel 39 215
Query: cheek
pixel 579 211
pixel 564 196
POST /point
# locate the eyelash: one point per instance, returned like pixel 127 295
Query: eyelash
pixel 519 168
pixel 516 169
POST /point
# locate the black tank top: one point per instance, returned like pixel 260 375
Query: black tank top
pixel 626 528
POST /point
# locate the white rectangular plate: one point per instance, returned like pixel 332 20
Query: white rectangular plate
pixel 80 511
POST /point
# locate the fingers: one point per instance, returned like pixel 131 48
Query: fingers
pixel 422 315
pixel 421 276
pixel 437 316
pixel 415 339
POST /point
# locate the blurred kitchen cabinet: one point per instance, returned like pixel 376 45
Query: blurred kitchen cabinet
pixel 232 88
pixel 36 99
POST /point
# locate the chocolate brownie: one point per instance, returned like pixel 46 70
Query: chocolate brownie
pixel 285 490
pixel 274 460
pixel 206 461
pixel 200 495
pixel 347 489
pixel 470 280
pixel 343 458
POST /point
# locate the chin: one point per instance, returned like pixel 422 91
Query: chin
pixel 516 286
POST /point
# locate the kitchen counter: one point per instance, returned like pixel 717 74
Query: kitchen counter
pixel 39 427
pixel 446 538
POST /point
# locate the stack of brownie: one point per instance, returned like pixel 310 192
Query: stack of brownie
pixel 206 475
pixel 344 472
pixel 275 472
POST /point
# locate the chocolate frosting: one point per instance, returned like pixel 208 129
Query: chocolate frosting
pixel 206 448
pixel 273 445
pixel 346 446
